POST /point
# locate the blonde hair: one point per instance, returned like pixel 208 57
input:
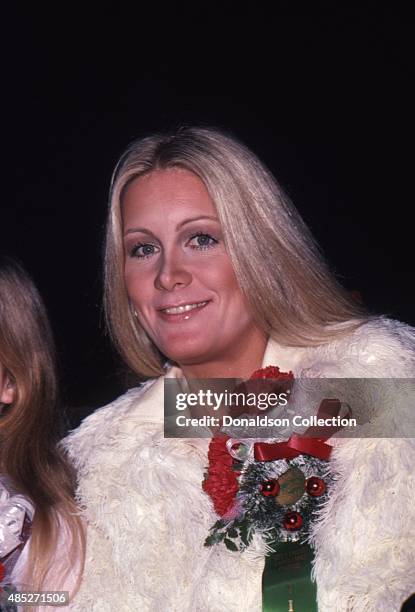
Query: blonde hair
pixel 29 429
pixel 292 294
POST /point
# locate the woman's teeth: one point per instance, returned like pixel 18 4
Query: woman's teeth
pixel 185 308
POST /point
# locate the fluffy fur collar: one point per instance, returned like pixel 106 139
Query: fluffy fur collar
pixel 148 515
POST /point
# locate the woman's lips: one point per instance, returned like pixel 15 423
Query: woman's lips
pixel 185 312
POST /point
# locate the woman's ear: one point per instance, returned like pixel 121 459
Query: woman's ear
pixel 7 390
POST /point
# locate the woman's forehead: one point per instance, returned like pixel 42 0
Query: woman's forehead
pixel 173 194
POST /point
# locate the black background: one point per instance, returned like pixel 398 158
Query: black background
pixel 322 94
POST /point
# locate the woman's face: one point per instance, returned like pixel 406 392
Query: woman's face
pixel 178 274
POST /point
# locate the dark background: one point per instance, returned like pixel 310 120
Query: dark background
pixel 322 94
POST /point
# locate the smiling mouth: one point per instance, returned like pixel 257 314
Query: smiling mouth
pixel 175 310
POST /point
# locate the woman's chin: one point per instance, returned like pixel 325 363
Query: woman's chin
pixel 185 356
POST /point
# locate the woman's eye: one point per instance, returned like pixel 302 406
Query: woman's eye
pixel 202 241
pixel 143 250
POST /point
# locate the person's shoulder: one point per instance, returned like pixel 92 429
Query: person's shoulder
pixel 379 347
pixel 381 337
pixel 95 429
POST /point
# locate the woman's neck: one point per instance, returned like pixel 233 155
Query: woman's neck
pixel 241 364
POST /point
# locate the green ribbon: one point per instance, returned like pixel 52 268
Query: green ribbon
pixel 286 581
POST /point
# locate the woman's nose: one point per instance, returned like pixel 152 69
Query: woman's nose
pixel 172 272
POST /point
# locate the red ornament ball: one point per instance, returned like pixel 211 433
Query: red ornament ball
pixel 270 488
pixel 292 521
pixel 315 486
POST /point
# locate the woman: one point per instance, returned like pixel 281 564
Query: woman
pixel 211 273
pixel 36 482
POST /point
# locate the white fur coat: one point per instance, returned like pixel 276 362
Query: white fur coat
pixel 148 516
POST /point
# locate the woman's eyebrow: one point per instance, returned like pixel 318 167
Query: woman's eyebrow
pixel 143 230
pixel 197 219
pixel 133 230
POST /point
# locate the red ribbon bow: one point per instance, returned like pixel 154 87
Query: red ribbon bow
pixel 304 444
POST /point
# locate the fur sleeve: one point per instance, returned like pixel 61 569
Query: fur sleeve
pixel 365 561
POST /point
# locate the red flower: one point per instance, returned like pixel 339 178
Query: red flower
pixel 221 483
pixel 264 380
pixel 218 453
pixel 272 372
